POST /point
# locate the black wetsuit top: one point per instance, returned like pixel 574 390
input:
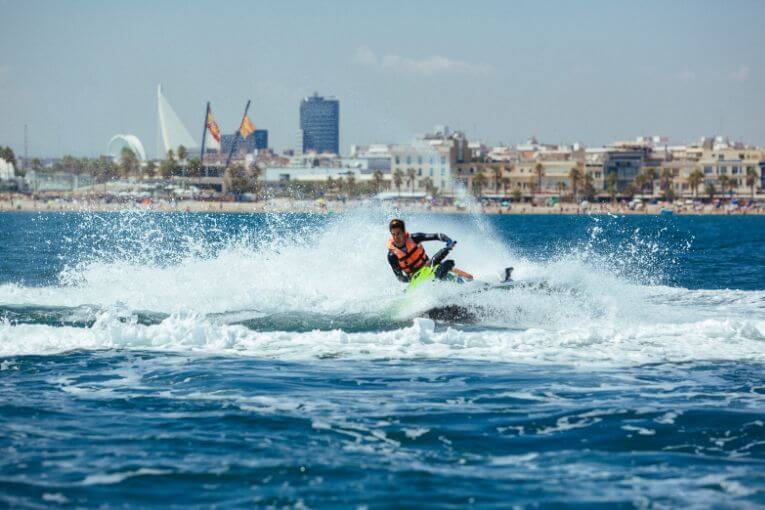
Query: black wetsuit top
pixel 417 238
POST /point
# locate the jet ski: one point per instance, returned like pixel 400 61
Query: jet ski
pixel 428 275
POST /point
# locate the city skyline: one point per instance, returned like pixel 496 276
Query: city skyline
pixel 576 74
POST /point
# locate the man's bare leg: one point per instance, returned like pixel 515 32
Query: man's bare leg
pixel 462 274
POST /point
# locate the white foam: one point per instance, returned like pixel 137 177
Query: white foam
pixel 587 313
pixel 581 345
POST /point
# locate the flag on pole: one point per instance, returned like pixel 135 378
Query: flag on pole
pixel 214 131
pixel 247 128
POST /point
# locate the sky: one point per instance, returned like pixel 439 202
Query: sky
pixel 79 72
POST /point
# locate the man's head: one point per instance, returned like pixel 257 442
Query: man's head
pixel 397 231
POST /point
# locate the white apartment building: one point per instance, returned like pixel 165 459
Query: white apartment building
pixel 429 159
pixel 733 163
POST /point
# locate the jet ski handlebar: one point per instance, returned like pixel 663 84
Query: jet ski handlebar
pixel 442 253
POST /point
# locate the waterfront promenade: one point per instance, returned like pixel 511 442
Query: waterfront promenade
pixel 283 205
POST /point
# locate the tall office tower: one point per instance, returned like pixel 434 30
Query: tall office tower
pixel 320 123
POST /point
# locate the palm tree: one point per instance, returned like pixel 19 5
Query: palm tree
pixel 629 190
pixel 128 163
pixel 640 182
pixel 575 175
pixel 588 188
pixel 167 166
pixel 182 154
pixel 561 188
pixel 236 179
pixel 398 179
pixel 430 188
pixel 195 167
pixel 517 195
pixel 411 175
pixel 612 181
pixel 694 180
pixel 150 169
pixel 69 163
pixel 377 179
pixel 350 182
pixel 539 170
pixel 505 184
pixel 330 184
pixel 751 179
pixel 724 183
pixel 479 181
pixel 496 171
pixel 253 173
pixel 650 175
pixel 667 176
pixel 710 190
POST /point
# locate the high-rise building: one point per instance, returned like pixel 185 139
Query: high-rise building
pixel 320 124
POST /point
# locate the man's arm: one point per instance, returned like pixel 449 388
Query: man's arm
pixel 393 261
pixel 419 237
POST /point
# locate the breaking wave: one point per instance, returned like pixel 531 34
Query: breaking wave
pixel 302 287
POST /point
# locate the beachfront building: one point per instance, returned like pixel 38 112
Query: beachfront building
pixel 320 124
pixel 373 158
pixel 38 182
pixel 7 171
pixel 729 168
pixel 422 164
pixel 625 161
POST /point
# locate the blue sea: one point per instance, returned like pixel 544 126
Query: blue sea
pixel 273 361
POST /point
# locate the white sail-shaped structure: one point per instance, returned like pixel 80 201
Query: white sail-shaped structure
pixel 172 132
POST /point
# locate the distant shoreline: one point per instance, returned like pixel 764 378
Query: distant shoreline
pixel 293 206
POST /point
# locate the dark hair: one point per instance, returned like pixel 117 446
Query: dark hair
pixel 396 223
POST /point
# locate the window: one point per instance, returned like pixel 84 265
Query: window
pixel 398 160
pixel 431 172
pixel 443 172
pixel 431 161
pixel 443 160
pixel 722 170
pixel 419 171
pixel 419 160
pixel 409 160
pixel 734 170
pixel 707 170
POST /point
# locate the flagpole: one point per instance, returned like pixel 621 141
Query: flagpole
pixel 236 137
pixel 204 138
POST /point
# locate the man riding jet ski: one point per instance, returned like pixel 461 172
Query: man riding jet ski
pixel 409 261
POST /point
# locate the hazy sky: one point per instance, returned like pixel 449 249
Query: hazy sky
pixel 78 72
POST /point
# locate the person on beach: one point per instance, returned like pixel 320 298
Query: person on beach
pixel 406 255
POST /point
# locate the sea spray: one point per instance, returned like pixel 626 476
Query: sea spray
pixel 303 286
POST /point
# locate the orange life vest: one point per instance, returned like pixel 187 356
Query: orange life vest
pixel 413 258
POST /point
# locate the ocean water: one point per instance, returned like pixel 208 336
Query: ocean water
pixel 177 360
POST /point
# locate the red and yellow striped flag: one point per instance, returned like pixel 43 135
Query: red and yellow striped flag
pixel 246 128
pixel 213 126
